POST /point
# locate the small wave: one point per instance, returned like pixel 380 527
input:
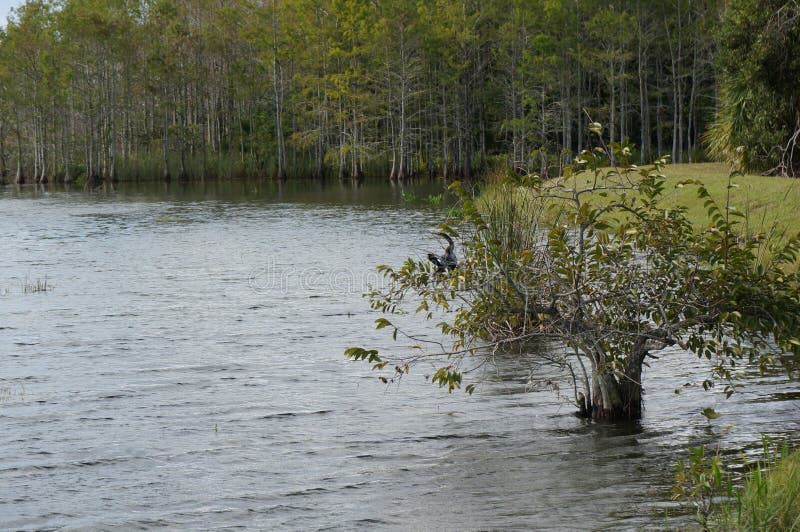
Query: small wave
pixel 281 508
pixel 437 437
pixel 296 414
pixel 91 463
pixel 147 524
pixel 308 491
pixel 357 486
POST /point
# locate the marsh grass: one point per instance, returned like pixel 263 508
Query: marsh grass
pixel 769 499
pixel 32 286
pixel 513 216
pixel 408 197
pixel 435 200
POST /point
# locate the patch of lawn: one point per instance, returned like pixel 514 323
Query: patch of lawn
pixel 770 204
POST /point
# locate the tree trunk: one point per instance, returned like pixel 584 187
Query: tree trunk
pixel 19 178
pixel 393 172
pixel 445 153
pixel 468 134
pixel 277 79
pixel 165 146
pixel 183 175
pixel 35 131
pixel 3 170
pixel 615 399
pixel 619 397
pixel 319 165
pixel 612 105
pixel 356 172
pixel 112 143
pixel 690 132
pixel 623 104
pixel 342 152
pixel 402 172
pixel 69 134
pixel 183 134
pixel 644 113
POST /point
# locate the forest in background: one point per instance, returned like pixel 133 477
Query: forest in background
pixel 128 89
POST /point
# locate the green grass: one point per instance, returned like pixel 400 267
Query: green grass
pixel 770 204
pixel 516 215
pixel 513 215
pixel 769 500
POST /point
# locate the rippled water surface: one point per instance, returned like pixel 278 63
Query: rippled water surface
pixel 184 369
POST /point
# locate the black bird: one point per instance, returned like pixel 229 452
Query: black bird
pixel 448 261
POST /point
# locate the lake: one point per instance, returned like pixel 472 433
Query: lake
pixel 183 368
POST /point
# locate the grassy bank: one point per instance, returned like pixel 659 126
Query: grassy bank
pixel 769 500
pixel 770 204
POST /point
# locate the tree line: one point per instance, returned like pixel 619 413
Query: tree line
pixel 189 89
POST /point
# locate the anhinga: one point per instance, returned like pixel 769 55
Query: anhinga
pixel 448 261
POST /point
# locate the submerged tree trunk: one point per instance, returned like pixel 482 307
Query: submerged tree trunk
pixel 615 395
pixel 618 397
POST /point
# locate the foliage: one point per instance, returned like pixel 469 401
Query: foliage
pixel 760 100
pixel 111 88
pixel 408 197
pixel 770 497
pixel 603 271
pixel 767 500
pixel 435 199
pixel 699 479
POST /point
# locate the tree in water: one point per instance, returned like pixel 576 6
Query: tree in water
pixel 593 273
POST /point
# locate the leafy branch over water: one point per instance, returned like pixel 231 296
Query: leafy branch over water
pixel 600 277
